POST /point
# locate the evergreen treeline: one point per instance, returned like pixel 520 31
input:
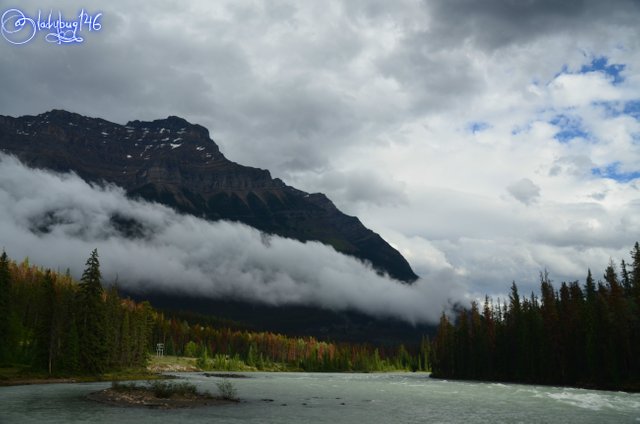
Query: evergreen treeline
pixel 224 347
pixel 55 324
pixel 582 335
pixel 65 327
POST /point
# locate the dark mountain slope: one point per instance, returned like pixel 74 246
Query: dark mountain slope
pixel 176 163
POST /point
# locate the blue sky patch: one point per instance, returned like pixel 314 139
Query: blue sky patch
pixel 615 109
pixel 476 127
pixel 612 171
pixel 632 108
pixel 601 64
pixel 570 128
pixel 611 109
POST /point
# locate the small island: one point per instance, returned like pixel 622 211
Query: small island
pixel 163 395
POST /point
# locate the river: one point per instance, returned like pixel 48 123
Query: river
pixel 334 398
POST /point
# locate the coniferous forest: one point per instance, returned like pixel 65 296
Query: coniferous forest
pixel 585 335
pixel 65 327
pixel 579 334
pixel 56 325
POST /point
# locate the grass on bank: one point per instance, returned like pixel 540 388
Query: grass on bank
pixel 16 374
pixel 170 363
pixel 23 374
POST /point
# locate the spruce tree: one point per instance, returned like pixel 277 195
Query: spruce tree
pixel 626 278
pixel 113 318
pixel 91 318
pixel 611 277
pixel 143 334
pixel 69 338
pixel 7 341
pixel 46 330
pixel 635 272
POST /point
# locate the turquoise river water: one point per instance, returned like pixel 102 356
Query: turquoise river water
pixel 334 398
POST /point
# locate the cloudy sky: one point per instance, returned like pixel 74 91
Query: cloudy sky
pixel 486 140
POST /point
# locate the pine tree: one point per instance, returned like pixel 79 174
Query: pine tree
pixel 69 361
pixel 514 325
pixel 626 278
pixel 551 342
pixel 91 318
pixel 611 277
pixel 424 354
pixel 46 331
pixel 143 333
pixel 126 339
pixel 113 318
pixel 7 341
pixel 635 272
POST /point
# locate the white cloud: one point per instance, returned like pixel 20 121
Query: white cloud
pixel 580 90
pixel 56 220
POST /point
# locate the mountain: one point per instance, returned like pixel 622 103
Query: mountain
pixel 176 163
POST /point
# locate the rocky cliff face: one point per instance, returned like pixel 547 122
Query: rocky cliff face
pixel 176 163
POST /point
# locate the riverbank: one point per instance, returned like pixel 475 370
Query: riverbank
pixel 22 375
pixel 157 368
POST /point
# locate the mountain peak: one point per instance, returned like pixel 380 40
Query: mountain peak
pixel 174 162
pixel 61 115
pixel 171 124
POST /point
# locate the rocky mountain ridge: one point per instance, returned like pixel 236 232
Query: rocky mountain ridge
pixel 176 163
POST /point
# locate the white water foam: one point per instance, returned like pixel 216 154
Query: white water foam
pixel 594 401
